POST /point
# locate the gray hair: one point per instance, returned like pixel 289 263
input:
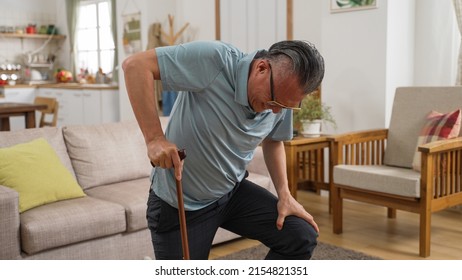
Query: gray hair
pixel 307 62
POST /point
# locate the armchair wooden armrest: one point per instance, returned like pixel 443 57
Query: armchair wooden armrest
pixel 441 172
pixel 441 146
pixel 359 136
pixel 361 147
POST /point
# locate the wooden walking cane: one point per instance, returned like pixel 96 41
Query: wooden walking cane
pixel 181 211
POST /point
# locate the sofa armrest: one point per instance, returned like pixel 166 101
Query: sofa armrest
pixel 362 147
pixel 9 224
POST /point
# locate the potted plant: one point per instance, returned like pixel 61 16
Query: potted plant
pixel 312 114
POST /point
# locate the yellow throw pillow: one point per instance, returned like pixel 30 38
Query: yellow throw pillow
pixel 34 170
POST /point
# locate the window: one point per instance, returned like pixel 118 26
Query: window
pixel 95 43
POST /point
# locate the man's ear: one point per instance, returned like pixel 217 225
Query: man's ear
pixel 261 66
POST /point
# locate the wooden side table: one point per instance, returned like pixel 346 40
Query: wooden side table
pixel 305 162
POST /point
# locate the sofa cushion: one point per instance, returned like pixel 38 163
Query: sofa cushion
pixel 224 235
pixel 34 170
pixel 69 221
pixel 107 153
pixel 410 108
pixel 379 178
pixel 132 195
pixel 438 127
pixel 53 135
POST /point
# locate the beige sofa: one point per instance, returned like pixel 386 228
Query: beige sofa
pixel 110 164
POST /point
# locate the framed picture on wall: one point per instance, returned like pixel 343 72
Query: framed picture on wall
pixel 337 6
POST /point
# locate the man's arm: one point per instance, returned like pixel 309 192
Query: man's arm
pixel 275 159
pixel 141 70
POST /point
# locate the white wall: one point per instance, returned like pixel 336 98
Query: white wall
pixel 200 14
pixel 399 50
pixel 437 43
pixel 252 25
pixel 307 21
pixel 369 53
pixel 354 45
pixel 151 11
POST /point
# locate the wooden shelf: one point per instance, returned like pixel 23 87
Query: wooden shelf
pixel 31 36
pixel 40 65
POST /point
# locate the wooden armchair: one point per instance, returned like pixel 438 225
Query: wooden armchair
pixel 375 166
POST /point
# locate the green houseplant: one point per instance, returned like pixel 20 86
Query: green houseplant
pixel 313 112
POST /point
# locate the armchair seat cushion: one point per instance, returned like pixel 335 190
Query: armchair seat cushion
pixel 379 178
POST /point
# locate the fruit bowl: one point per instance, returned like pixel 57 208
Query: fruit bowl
pixel 63 76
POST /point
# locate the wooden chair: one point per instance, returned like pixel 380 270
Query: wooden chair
pixel 52 109
pixel 375 166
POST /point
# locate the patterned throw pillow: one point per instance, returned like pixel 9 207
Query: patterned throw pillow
pixel 438 127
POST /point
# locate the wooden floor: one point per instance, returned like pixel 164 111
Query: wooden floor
pixel 367 229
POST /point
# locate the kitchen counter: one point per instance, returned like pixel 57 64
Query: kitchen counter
pixel 64 86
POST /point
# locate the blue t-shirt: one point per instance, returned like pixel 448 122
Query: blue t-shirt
pixel 212 120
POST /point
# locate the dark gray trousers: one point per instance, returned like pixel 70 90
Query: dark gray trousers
pixel 249 210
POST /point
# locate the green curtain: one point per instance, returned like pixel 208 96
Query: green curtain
pixel 72 10
pixel 115 74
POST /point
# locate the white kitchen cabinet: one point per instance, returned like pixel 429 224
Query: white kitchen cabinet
pixel 84 106
pixel 18 95
pixel 73 106
pixel 91 106
pixel 109 106
pixel 100 106
pixel 70 104
pixel 62 101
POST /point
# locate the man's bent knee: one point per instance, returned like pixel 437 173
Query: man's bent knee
pixel 299 238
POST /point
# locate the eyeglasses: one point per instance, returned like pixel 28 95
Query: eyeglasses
pixel 274 102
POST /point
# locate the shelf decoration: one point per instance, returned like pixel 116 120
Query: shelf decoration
pixel 172 37
pixel 131 18
pixel 132 33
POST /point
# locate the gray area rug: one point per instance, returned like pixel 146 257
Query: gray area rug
pixel 322 252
